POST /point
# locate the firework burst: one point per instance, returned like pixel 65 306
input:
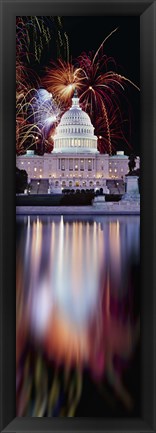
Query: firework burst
pixel 101 93
pixel 36 115
pixel 101 90
pixel 61 79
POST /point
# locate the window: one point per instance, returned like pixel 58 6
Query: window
pixel 35 169
pixel 89 165
pixel 63 164
pixel 82 164
pixel 70 164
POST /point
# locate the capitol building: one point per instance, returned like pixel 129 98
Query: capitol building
pixel 75 162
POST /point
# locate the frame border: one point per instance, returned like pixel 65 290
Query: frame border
pixel 146 9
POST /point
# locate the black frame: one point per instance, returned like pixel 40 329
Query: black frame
pixel 146 9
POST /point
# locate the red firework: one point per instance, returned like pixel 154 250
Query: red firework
pixel 101 90
pixel 101 93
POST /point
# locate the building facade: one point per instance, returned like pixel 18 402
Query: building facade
pixel 75 162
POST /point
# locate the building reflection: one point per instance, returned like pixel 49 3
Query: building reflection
pixel 75 297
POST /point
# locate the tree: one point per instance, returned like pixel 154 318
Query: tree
pixel 21 180
pixel 132 162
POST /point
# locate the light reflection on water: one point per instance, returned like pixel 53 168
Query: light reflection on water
pixel 76 283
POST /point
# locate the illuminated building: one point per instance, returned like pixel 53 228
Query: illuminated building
pixel 75 162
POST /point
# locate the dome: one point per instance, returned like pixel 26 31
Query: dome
pixel 75 132
pixel 76 116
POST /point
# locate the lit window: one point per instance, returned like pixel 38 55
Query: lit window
pixel 28 162
pixel 115 170
pixel 40 176
pixel 35 169
pixel 22 162
pixel 110 163
pixel 121 169
pixel 110 170
pixel 40 169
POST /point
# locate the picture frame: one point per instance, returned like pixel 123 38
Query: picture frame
pixel 147 12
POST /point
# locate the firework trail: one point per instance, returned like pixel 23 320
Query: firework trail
pixel 36 115
pixel 117 126
pixel 34 33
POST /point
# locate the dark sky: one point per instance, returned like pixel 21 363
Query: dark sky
pixel 87 33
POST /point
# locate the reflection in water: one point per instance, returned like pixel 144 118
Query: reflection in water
pixel 77 311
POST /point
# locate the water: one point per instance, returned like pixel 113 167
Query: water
pixel 77 316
